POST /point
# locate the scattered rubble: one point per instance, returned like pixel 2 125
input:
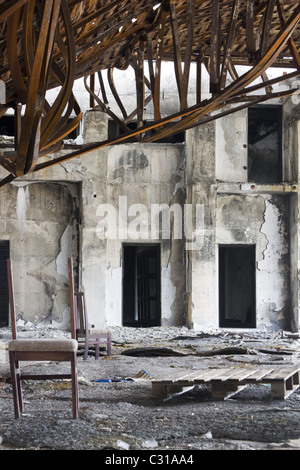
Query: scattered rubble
pixel 123 414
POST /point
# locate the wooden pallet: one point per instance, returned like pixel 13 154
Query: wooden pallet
pixel 228 381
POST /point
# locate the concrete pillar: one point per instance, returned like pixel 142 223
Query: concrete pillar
pixel 294 227
pixel 93 249
pixel 201 261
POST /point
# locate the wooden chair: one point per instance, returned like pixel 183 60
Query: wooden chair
pixel 86 335
pixel 60 350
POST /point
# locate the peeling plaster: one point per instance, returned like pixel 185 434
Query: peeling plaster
pixel 231 149
pixel 43 234
pixel 262 220
pixel 23 201
pixel 113 306
pixel 272 291
pixel 168 295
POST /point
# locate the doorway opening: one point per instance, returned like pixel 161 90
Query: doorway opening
pixel 237 305
pixel 141 285
pixel 4 300
pixel 265 144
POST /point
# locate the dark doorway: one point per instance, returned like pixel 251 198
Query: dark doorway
pixel 237 306
pixel 265 144
pixel 4 302
pixel 141 285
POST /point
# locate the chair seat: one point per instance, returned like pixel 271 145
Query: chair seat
pixel 47 345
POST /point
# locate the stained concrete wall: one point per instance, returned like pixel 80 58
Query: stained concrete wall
pixel 40 220
pixel 261 220
pixel 49 216
pixel 58 212
pixel 145 176
pixel 240 213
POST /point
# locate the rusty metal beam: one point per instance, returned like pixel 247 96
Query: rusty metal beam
pixel 9 7
pixel 53 42
pixel 215 48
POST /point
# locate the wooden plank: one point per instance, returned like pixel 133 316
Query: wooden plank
pixel 259 374
pixel 197 376
pixel 225 374
pixel 187 378
pixel 280 374
pixel 242 374
pixel 209 375
pixel 173 377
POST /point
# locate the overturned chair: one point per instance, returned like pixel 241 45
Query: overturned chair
pixel 60 350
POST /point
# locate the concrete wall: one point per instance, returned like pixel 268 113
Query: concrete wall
pixel 64 211
pixel 238 212
pixel 139 178
pixel 40 220
pixel 49 216
pixel 58 213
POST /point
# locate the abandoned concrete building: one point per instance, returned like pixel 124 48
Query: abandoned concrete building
pixel 197 226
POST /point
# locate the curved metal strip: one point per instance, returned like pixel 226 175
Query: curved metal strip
pixel 12 55
pixel 53 118
pixel 31 128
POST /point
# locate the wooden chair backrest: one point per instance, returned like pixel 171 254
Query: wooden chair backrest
pixel 82 325
pixel 72 298
pixel 11 297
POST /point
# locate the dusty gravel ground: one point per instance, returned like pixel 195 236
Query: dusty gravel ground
pixel 124 416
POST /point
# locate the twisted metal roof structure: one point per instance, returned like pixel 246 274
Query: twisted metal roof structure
pixel 51 43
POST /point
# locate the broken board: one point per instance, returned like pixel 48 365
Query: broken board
pixel 226 382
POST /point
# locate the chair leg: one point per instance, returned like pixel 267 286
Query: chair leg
pixel 86 349
pixel 97 348
pixel 109 344
pixel 16 385
pixel 75 398
pixel 19 386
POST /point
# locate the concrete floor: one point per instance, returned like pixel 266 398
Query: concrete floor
pixel 124 415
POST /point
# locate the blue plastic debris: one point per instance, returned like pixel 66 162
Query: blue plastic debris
pixel 142 374
pixel 115 379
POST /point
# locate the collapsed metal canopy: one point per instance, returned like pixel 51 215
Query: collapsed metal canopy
pixel 51 43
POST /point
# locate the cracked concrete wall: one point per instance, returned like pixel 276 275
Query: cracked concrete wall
pixel 55 213
pixel 40 220
pixel 48 217
pixel 261 220
pixel 240 213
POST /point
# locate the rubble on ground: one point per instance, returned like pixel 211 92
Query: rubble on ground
pixel 118 413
